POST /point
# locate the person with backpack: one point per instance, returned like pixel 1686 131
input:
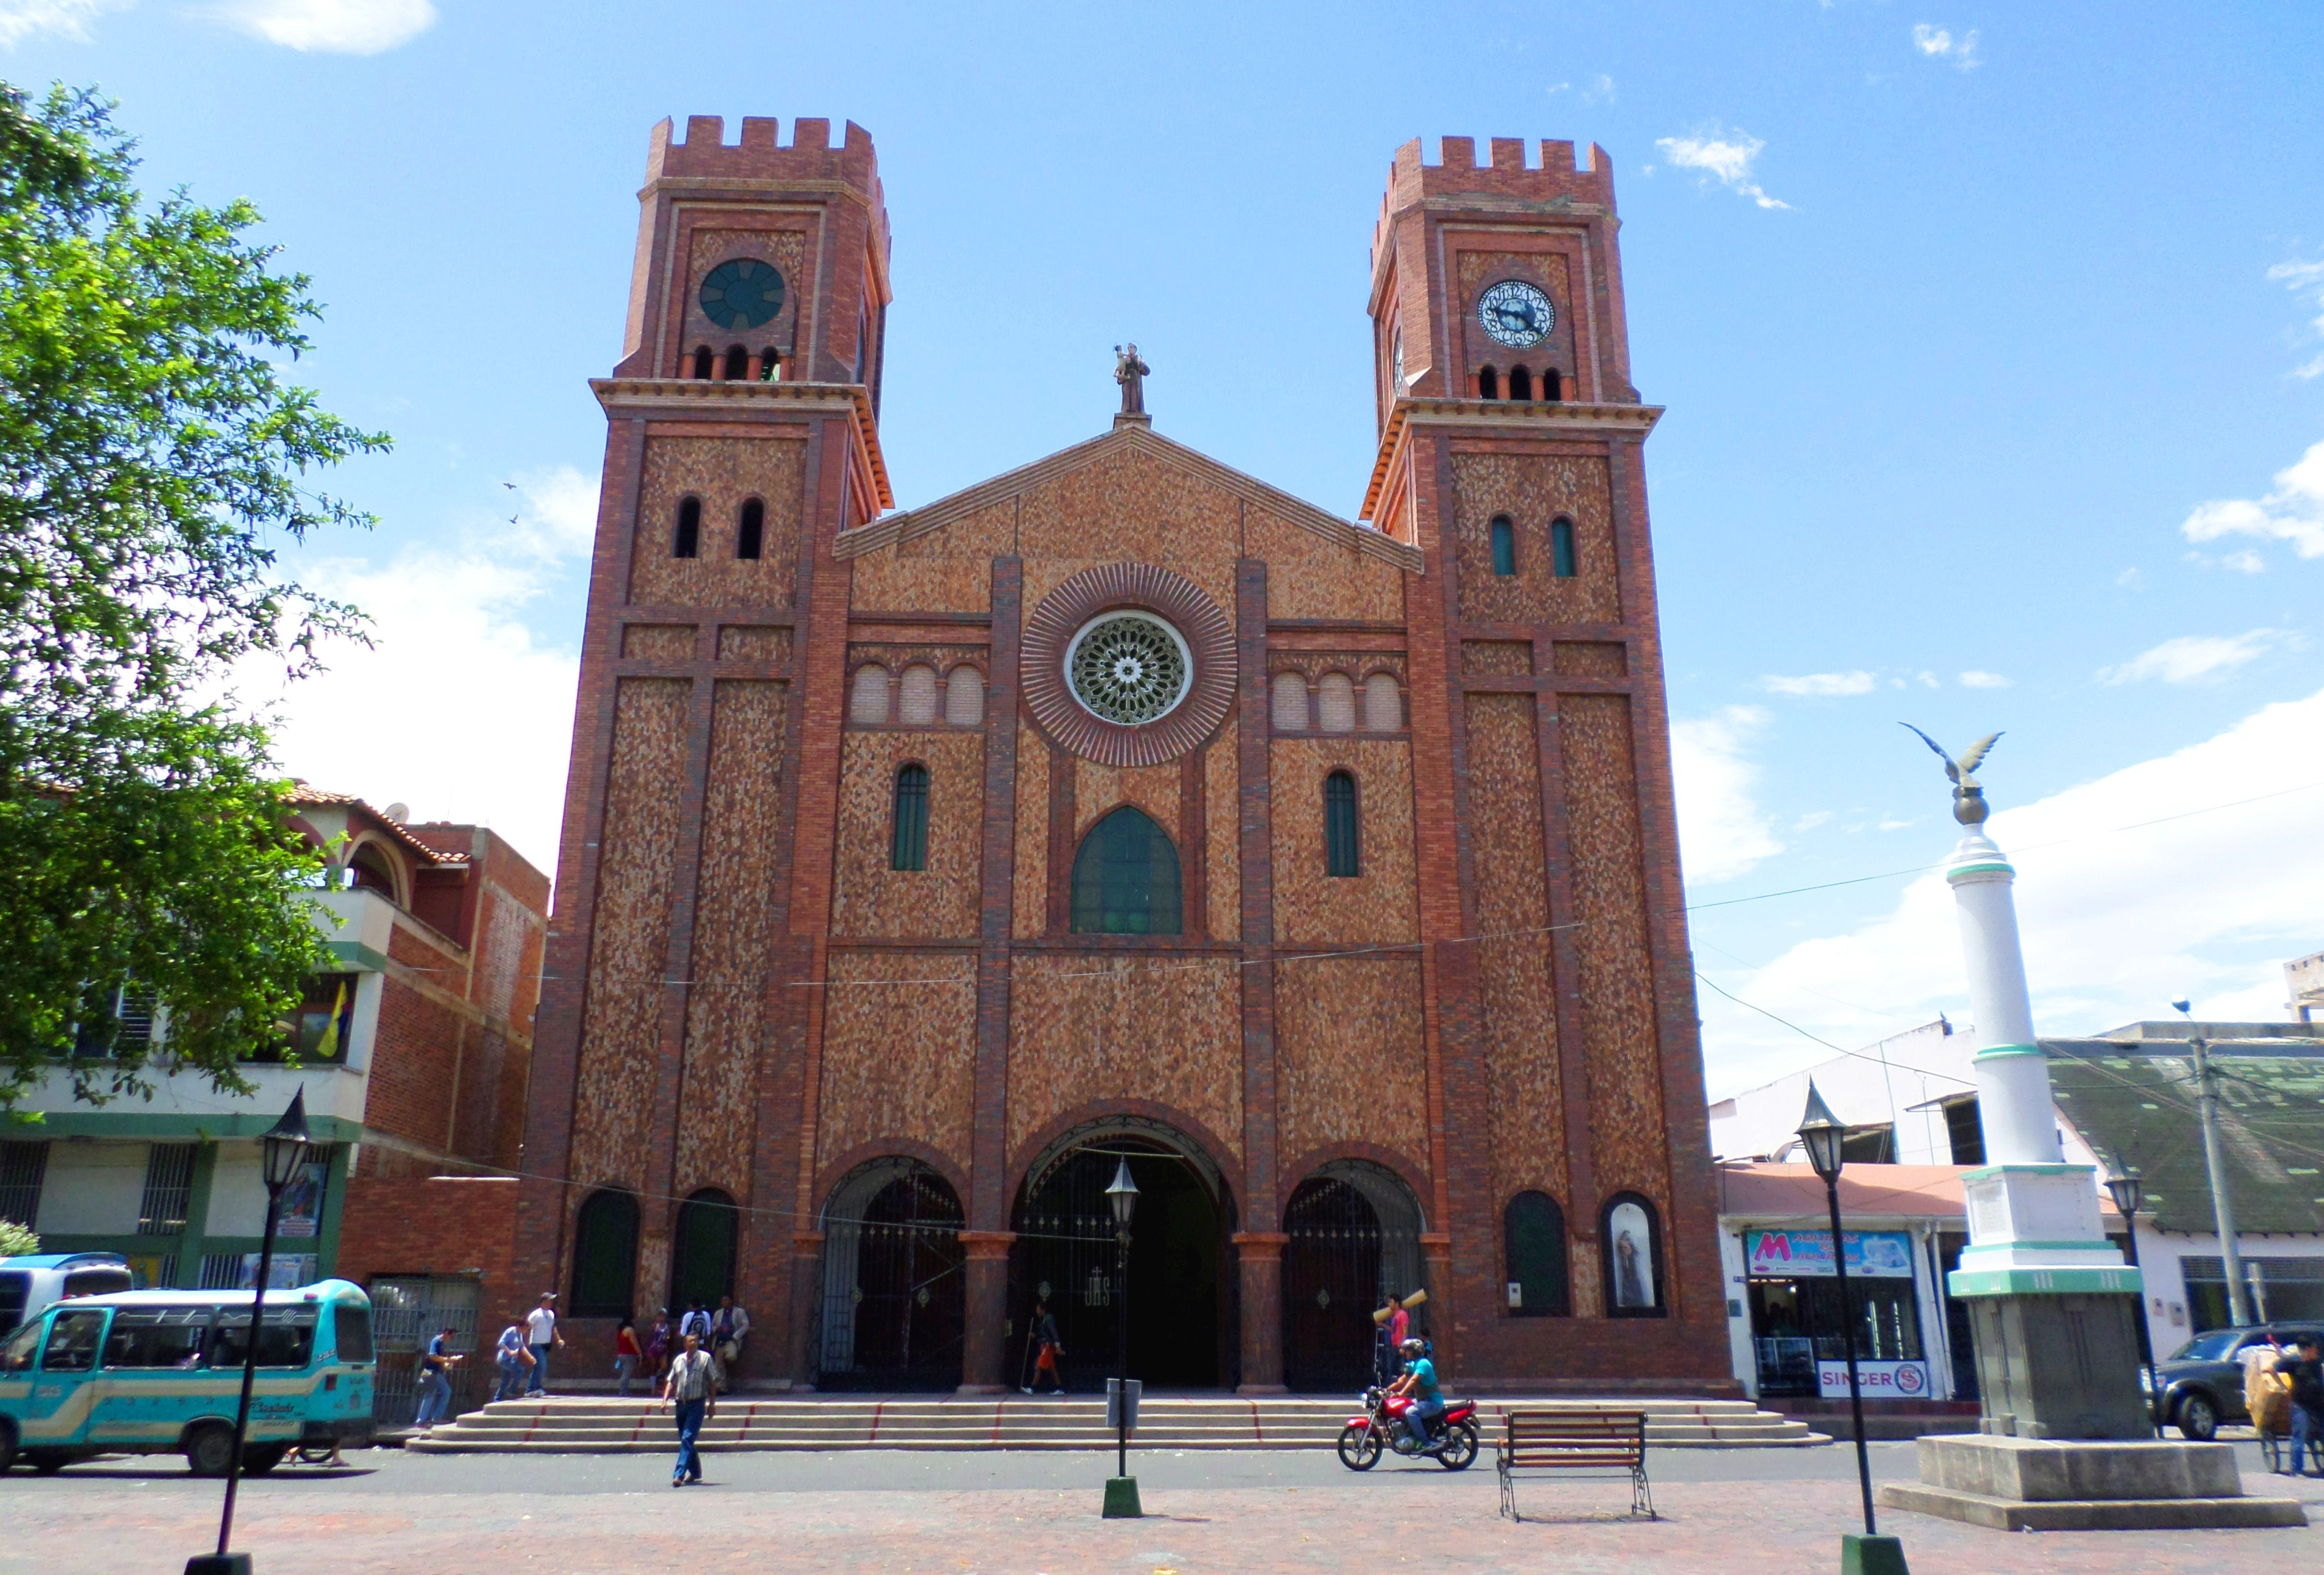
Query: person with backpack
pixel 436 1364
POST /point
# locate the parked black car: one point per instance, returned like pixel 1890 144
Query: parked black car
pixel 2202 1381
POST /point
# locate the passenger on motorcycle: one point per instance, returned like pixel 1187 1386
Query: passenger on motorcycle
pixel 1419 1381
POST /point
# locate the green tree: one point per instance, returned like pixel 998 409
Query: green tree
pixel 153 462
pixel 18 1240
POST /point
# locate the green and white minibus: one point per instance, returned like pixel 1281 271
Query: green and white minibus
pixel 160 1372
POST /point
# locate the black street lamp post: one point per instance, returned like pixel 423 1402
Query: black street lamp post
pixel 2129 1190
pixel 1823 1134
pixel 1121 1493
pixel 284 1148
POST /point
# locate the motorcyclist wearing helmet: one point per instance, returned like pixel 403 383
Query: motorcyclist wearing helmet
pixel 1419 1381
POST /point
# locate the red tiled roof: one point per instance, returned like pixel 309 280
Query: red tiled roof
pixel 302 793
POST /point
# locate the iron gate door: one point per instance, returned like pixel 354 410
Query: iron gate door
pixel 408 1311
pixel 897 1317
pixel 1331 1283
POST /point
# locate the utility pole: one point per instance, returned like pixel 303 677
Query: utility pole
pixel 2223 1213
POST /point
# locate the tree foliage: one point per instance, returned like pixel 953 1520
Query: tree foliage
pixel 152 462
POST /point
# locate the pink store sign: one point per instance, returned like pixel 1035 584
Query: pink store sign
pixel 1877 1380
pixel 1807 1254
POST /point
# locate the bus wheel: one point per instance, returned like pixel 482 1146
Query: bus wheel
pixel 209 1450
pixel 260 1459
pixel 7 1446
pixel 47 1462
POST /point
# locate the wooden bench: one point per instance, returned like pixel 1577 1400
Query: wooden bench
pixel 1551 1442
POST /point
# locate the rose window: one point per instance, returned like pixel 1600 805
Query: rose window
pixel 1128 668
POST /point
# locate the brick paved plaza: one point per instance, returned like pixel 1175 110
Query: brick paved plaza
pixel 1018 1514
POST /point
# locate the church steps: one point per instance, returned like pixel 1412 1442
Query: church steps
pixel 613 1425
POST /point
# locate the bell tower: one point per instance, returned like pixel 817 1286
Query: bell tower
pixel 1511 456
pixel 742 439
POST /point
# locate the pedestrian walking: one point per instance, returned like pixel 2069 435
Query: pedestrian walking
pixel 728 1325
pixel 540 1334
pixel 658 1338
pixel 513 1357
pixel 436 1364
pixel 1046 1349
pixel 692 1391
pixel 2306 1372
pixel 696 1322
pixel 625 1355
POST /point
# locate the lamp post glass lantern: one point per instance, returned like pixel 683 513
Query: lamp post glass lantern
pixel 2127 1188
pixel 1122 1193
pixel 282 1151
pixel 1823 1135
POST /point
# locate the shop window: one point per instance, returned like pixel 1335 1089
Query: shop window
pixel 1533 1246
pixel 1505 546
pixel 1561 549
pixel 1340 849
pixel 1631 1240
pixel 604 1255
pixel 1126 878
pixel 908 841
pixel 750 530
pixel 687 541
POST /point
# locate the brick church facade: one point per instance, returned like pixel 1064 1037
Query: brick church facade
pixel 924 870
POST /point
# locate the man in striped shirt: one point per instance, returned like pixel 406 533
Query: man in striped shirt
pixel 692 1388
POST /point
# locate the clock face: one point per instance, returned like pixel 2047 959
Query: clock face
pixel 743 292
pixel 1516 314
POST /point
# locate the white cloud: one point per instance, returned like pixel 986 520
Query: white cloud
pixel 335 27
pixel 1939 44
pixel 1812 819
pixel 1856 683
pixel 2305 278
pixel 1726 159
pixel 2247 562
pixel 2130 578
pixel 1978 678
pixel 2192 657
pixel 22 19
pixel 2292 513
pixel 1722 832
pixel 458 708
pixel 2114 922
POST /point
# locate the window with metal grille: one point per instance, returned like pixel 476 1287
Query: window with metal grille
pixel 23 1167
pixel 169 1184
pixel 1126 878
pixel 1561 549
pixel 1341 850
pixel 909 849
pixel 1505 547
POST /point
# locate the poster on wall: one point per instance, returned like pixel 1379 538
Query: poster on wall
pixel 1634 1262
pixel 1875 1380
pixel 302 1200
pixel 1804 1255
pixel 291 1270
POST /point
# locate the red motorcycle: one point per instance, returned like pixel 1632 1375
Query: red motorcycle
pixel 1388 1424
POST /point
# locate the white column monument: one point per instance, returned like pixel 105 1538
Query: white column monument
pixel 2066 1439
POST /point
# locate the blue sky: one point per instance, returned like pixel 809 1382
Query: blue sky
pixel 1990 340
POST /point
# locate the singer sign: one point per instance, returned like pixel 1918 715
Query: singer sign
pixel 1875 1380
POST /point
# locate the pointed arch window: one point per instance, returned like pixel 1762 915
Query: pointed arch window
pixel 1533 1254
pixel 750 529
pixel 1505 546
pixel 908 844
pixel 1126 878
pixel 1561 561
pixel 687 542
pixel 1342 851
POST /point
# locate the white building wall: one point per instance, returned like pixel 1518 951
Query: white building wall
pixel 92 1189
pixel 1877 1086
pixel 1734 1270
pixel 237 1192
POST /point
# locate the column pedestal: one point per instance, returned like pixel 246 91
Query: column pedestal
pixel 984 1361
pixel 1262 1311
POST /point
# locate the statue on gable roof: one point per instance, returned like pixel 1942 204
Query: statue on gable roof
pixel 1130 371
